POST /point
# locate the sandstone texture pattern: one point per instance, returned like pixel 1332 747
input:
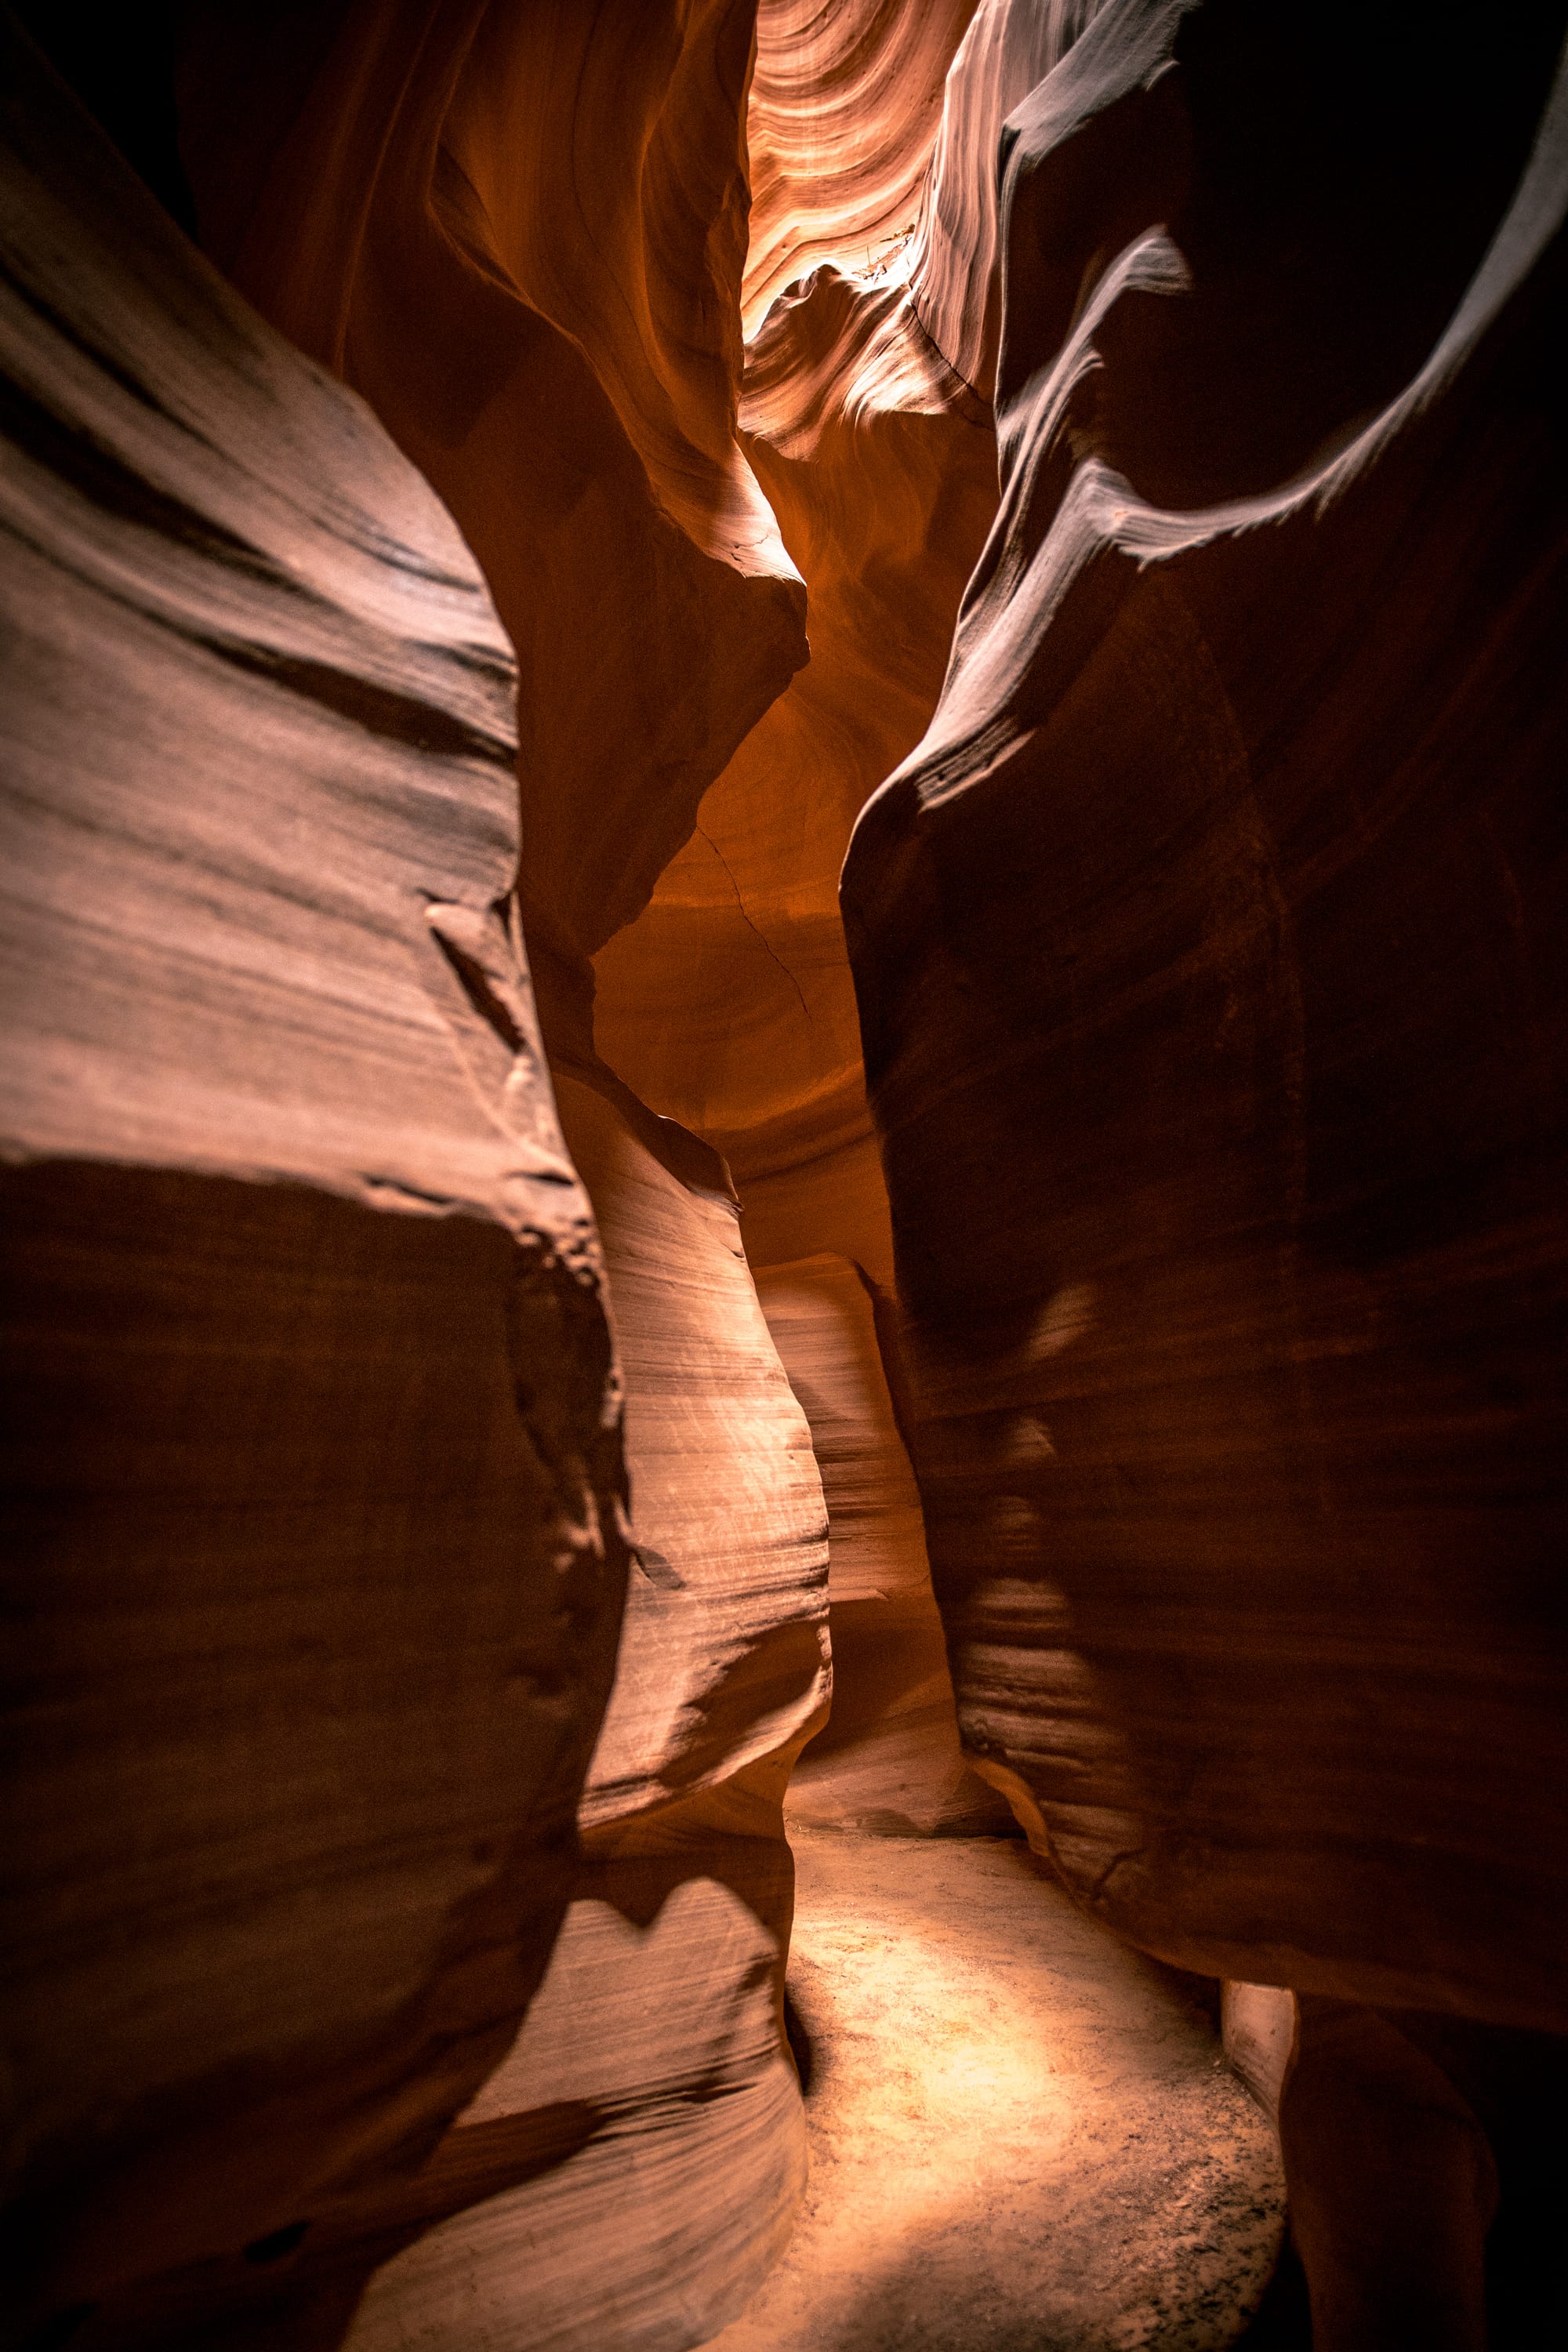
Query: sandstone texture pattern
pixel 729 1003
pixel 1203 946
pixel 842 114
pixel 783 920
pixel 315 1490
pixel 890 1758
pixel 561 195
pixel 519 233
pixel 1208 950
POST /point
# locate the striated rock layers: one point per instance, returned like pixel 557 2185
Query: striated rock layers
pixel 632 2170
pixel 889 1760
pixel 1214 975
pixel 1208 958
pixel 378 1973
pixel 520 234
pixel 315 1493
pixel 728 1001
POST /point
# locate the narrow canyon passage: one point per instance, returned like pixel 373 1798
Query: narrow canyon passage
pixel 1021 2133
pixel 782 910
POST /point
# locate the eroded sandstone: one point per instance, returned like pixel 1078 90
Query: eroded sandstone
pixel 1203 951
pixel 565 196
pixel 1184 1282
pixel 314 1463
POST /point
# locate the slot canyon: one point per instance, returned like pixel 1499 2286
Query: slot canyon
pixel 786 1030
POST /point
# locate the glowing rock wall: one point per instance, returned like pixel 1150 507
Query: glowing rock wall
pixel 520 234
pixel 728 1001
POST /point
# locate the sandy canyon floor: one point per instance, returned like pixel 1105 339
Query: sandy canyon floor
pixel 1022 2137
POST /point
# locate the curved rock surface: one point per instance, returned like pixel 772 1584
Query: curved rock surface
pixel 560 194
pixel 313 1462
pixel 631 2172
pixel 1204 950
pixel 889 1759
pixel 1207 963
pixel 520 234
pixel 844 113
pixel 1202 946
pixel 728 1002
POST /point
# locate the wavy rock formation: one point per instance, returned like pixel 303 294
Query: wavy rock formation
pixel 1130 1201
pixel 729 1003
pixel 890 1760
pixel 844 108
pixel 632 2168
pixel 656 2214
pixel 559 194
pixel 1204 949
pixel 520 234
pixel 313 1462
pixel 953 264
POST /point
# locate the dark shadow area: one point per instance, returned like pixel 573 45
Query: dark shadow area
pixel 120 64
pixel 799 2040
pixel 62 2328
pixel 1283 2320
pixel 1516 2084
pixel 255 1438
pixel 309 2300
pixel 277 2243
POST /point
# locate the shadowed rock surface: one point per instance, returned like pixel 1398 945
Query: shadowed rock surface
pixel 1205 947
pixel 728 1003
pixel 1231 1497
pixel 1148 1218
pixel 520 234
pixel 560 193
pixel 889 1759
pixel 315 1489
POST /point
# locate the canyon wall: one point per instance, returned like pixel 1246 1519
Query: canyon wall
pixel 1202 953
pixel 500 1269
pixel 315 1497
pixel 570 383
pixel 1207 955
pixel 519 233
pixel 728 1001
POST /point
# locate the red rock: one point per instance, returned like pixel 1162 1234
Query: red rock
pixel 1205 954
pixel 1193 945
pixel 316 1491
pixel 556 195
pixel 728 1003
pixel 889 1759
pixel 577 412
pixel 1205 960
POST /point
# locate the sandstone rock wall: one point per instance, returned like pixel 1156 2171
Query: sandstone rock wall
pixel 315 1492
pixel 1207 953
pixel 1196 1088
pixel 520 235
pixel 729 1003
pixel 844 111
pixel 890 1758
pixel 1201 946
pixel 631 2170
